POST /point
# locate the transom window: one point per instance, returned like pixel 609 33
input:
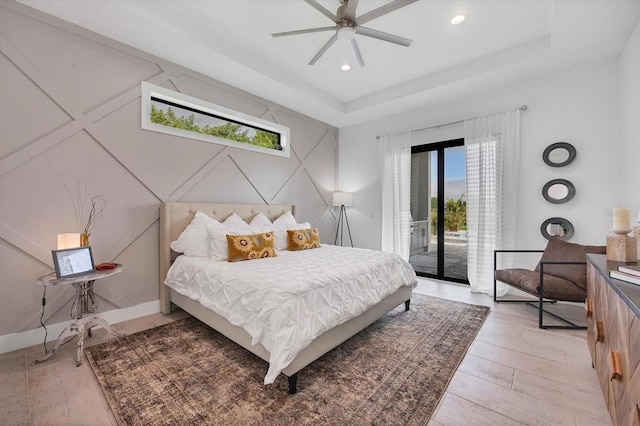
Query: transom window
pixel 174 113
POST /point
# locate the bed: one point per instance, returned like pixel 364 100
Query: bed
pixel 175 217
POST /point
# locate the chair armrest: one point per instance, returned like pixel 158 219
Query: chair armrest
pixel 495 255
pixel 518 251
pixel 557 262
pixel 553 262
pixel 495 266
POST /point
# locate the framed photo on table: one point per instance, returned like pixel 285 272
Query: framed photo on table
pixel 73 262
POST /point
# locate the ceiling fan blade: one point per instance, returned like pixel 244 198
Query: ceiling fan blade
pixel 382 10
pixel 320 8
pixel 369 32
pixel 308 30
pixel 350 11
pixel 324 48
pixel 355 51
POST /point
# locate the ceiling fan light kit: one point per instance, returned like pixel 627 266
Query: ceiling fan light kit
pixel 347 25
pixel 346 33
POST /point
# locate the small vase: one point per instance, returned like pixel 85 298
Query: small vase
pixel 84 240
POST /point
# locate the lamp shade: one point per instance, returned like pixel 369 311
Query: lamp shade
pixel 68 240
pixel 343 199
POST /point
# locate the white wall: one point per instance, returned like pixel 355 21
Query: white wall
pixel 580 106
pixel 630 124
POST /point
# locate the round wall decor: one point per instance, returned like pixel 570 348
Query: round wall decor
pixel 558 191
pixel 559 154
pixel 557 227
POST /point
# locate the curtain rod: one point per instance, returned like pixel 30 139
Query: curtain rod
pixel 522 108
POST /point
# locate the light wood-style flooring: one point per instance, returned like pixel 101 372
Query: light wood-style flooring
pixel 514 373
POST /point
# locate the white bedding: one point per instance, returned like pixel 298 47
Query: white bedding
pixel 286 301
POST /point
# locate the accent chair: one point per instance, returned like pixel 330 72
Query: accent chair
pixel 561 275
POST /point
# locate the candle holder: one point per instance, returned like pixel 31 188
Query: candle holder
pixel 622 248
pixel 636 234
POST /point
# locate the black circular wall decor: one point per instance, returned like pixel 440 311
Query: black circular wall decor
pixel 559 146
pixel 558 191
pixel 557 227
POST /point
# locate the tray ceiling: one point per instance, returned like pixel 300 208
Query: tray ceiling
pixel 230 40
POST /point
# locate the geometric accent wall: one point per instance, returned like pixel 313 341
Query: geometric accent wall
pixel 70 115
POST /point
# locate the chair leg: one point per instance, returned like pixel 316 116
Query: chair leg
pixel 536 304
pixel 495 268
pixel 571 326
pixel 541 298
pixel 542 311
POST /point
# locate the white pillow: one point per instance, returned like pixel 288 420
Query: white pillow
pixel 260 220
pixel 217 236
pixel 218 246
pixel 285 220
pixel 280 226
pixel 280 235
pixel 234 221
pixel 193 241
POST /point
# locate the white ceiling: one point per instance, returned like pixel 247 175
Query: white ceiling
pixel 230 40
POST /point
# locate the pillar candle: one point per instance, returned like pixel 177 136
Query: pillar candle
pixel 621 220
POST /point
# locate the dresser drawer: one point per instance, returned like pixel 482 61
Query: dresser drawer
pixel 633 385
pixel 613 336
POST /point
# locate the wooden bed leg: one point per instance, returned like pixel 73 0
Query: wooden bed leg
pixel 406 304
pixel 293 384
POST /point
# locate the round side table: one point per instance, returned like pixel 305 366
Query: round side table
pixel 83 308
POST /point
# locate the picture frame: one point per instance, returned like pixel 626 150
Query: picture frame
pixel 73 262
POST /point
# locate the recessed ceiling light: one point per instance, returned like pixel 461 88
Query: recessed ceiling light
pixel 345 67
pixel 458 19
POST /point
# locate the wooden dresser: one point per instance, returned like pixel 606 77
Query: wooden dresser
pixel 613 335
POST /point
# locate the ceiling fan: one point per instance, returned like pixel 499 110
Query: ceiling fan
pixel 347 25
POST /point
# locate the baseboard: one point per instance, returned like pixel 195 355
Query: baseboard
pixel 25 339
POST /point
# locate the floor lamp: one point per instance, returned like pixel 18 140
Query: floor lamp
pixel 342 199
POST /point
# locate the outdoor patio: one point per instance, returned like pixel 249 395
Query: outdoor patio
pixel 455 260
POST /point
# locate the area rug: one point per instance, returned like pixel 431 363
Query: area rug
pixel 392 373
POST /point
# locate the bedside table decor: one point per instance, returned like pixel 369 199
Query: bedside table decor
pixel 73 262
pixel 68 240
pixel 621 247
pixel 83 308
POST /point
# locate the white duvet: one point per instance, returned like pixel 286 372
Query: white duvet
pixel 286 301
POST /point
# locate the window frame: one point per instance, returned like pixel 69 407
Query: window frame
pixel 150 91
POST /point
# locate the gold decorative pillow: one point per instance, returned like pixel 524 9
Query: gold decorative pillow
pixel 303 239
pixel 247 247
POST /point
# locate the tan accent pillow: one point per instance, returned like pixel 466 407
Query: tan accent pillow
pixel 303 239
pixel 247 247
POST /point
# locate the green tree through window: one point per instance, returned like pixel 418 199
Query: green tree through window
pixel 228 130
pixel 455 214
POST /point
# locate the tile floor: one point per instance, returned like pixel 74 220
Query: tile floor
pixel 514 373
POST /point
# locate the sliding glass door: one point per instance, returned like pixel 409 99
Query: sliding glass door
pixel 438 211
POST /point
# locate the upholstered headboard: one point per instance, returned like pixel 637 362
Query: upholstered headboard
pixel 174 218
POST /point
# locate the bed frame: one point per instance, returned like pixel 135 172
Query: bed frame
pixel 174 217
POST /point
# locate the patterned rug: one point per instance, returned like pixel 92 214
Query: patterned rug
pixel 394 372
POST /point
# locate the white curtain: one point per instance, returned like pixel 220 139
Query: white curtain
pixel 395 164
pixel 492 146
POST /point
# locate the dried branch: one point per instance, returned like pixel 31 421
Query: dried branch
pixel 98 205
pixel 79 196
